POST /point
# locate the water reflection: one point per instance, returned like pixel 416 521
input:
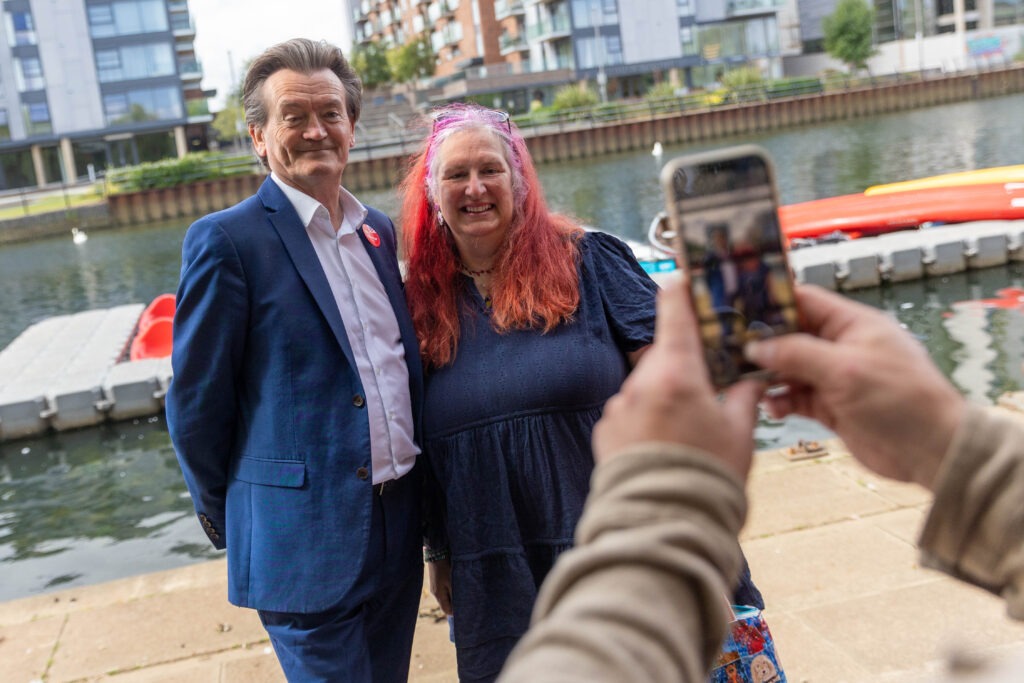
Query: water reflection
pixel 979 349
pixel 80 507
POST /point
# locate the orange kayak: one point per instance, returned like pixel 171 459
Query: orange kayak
pixel 860 214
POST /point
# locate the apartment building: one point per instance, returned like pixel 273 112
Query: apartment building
pixel 907 19
pixel 513 52
pixel 91 84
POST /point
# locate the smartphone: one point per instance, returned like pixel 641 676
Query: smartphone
pixel 722 209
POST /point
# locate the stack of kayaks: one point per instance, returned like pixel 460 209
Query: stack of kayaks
pixel 984 194
pixel 154 336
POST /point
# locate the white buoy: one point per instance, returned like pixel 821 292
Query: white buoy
pixel 657 151
pixel 78 236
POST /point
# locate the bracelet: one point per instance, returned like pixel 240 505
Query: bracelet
pixel 435 555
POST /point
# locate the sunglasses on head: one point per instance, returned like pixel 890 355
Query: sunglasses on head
pixel 497 116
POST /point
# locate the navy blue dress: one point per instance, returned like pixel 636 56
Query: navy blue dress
pixel 507 429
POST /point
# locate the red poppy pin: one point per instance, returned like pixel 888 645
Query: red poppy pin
pixel 371 235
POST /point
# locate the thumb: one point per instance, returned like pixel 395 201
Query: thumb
pixel 741 401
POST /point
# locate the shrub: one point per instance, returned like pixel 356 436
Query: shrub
pixel 574 97
pixel 661 91
pixel 791 87
pixel 190 168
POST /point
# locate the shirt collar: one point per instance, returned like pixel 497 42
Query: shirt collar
pixel 353 211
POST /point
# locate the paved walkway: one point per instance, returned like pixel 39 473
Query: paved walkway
pixel 830 545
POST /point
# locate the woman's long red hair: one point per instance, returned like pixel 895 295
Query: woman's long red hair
pixel 535 282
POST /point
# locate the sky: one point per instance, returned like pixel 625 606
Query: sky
pixel 244 28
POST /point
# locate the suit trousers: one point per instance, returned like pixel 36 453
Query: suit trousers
pixel 368 637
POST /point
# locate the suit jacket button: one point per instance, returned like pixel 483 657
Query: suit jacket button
pixel 362 473
pixel 358 401
pixel 215 536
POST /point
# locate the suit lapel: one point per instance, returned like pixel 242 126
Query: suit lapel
pixel 286 222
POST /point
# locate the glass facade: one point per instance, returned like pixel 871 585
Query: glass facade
pixel 144 104
pixel 128 17
pixel 753 38
pixel 135 62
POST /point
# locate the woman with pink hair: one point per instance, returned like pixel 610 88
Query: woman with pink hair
pixel 527 325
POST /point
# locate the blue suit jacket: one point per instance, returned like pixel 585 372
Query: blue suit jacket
pixel 266 409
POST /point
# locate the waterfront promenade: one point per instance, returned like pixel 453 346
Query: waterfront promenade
pixel 830 545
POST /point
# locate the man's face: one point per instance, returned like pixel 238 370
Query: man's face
pixel 308 133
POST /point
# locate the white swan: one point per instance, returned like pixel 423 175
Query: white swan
pixel 657 151
pixel 78 236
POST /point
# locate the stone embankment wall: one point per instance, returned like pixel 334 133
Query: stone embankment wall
pixel 559 142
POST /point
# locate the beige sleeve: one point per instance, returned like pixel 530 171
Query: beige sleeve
pixel 643 595
pixel 975 530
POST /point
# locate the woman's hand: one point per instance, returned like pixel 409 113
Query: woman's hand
pixel 439 576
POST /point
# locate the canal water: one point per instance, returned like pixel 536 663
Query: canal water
pixel 97 504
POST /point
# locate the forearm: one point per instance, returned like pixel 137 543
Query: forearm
pixel 643 596
pixel 975 530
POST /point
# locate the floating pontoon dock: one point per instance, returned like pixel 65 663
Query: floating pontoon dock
pixel 63 372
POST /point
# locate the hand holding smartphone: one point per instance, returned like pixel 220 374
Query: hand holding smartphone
pixel 723 209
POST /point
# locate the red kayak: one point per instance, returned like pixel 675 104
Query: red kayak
pixel 154 338
pixel 861 215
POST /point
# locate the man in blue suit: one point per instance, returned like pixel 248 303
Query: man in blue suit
pixel 297 385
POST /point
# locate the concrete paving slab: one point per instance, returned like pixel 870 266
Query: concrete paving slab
pixel 822 565
pixel 25 649
pixel 808 657
pixel 162 628
pixel 808 493
pixel 921 620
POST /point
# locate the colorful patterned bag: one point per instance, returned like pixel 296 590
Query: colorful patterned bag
pixel 748 653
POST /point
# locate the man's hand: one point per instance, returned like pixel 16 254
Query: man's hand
pixel 858 373
pixel 669 396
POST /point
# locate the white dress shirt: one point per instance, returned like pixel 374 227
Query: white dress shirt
pixel 370 325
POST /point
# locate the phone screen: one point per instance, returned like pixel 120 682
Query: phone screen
pixel 722 207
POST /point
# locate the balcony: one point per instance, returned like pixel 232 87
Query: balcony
pixel 191 70
pixel 552 28
pixel 503 9
pixel 182 27
pixel 735 8
pixel 507 44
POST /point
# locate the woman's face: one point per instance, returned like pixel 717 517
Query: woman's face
pixel 474 184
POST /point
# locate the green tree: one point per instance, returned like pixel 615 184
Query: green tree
pixel 371 63
pixel 412 61
pixel 848 33
pixel 229 122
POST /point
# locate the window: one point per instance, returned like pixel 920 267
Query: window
pixel 149 104
pixel 127 17
pixel 37 118
pixel 20 29
pixel 5 126
pixel 29 74
pixel 754 38
pixel 687 39
pixel 685 8
pixel 135 62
